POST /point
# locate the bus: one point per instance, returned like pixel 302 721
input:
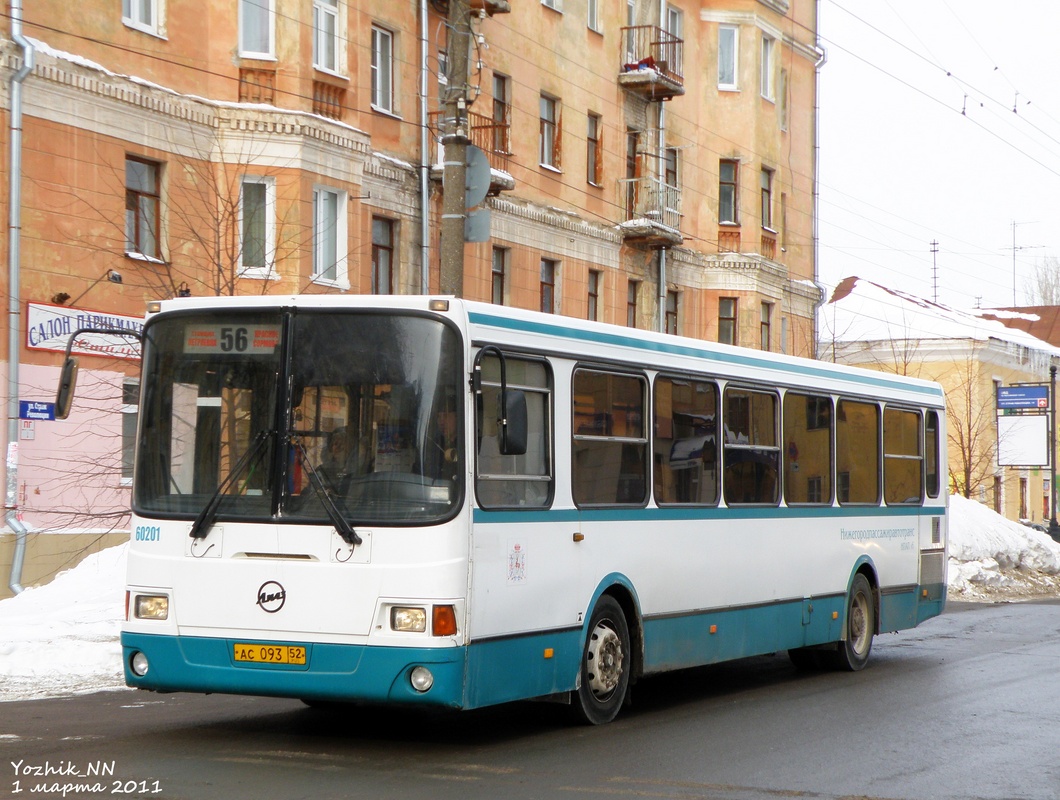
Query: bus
pixel 434 502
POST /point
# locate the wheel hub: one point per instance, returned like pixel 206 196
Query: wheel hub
pixel 604 660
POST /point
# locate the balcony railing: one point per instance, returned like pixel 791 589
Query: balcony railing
pixel 485 133
pixel 729 240
pixel 257 85
pixel 328 99
pixel 653 210
pixel 652 62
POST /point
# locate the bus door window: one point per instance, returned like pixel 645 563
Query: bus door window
pixel 931 451
pixel 857 438
pixel 903 460
pixel 515 481
pixel 752 455
pixel 807 449
pixel 610 445
pixel 685 444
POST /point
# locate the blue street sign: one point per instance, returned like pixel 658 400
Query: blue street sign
pixel 30 409
pixel 1023 397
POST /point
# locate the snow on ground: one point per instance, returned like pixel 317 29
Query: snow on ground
pixel 62 638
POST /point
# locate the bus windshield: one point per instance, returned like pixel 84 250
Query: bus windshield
pixel 286 417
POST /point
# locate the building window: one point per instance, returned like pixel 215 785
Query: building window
pixel 382 255
pixel 500 262
pixel 671 312
pixel 593 16
pixel 329 236
pixel 670 166
pixel 549 132
pixel 727 56
pixel 632 290
pixel 766 82
pixel 257 223
pixel 549 268
pixel 502 113
pixel 595 277
pixel 727 176
pixel 382 70
pixel 256 25
pixel 142 203
pixel 767 198
pixel 727 320
pixel 140 14
pixel 326 35
pixel 556 5
pixel 767 315
pixel 593 150
pixel 130 396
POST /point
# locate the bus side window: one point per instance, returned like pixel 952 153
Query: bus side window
pixel 522 480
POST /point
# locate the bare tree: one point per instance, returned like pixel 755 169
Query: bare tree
pixel 971 422
pixel 1043 286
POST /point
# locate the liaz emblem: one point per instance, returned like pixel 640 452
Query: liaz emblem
pixel 271 597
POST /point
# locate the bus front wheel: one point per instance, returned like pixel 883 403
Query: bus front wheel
pixel 852 653
pixel 605 665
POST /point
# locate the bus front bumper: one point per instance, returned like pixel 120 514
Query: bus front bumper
pixel 354 673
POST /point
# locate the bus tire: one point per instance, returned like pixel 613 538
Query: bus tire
pixel 605 665
pixel 852 653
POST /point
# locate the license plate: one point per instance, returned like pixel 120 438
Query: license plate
pixel 269 653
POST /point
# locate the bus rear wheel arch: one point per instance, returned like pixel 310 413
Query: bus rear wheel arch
pixel 606 665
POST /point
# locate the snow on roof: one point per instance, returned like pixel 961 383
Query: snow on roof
pixel 863 311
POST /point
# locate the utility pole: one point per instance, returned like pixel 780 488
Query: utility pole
pixel 455 141
pixel 934 271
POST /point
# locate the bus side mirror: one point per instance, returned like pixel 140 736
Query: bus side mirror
pixel 513 428
pixel 64 398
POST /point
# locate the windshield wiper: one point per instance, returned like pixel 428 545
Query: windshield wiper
pixel 200 528
pixel 342 527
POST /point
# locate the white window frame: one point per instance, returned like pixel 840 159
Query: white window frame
pixel 131 15
pixel 269 51
pixel 549 145
pixel 382 85
pixel 267 270
pixel 323 11
pixel 336 230
pixel 766 81
pixel 733 65
pixel 555 5
pixel 593 15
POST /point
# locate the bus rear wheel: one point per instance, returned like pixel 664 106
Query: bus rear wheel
pixel 852 654
pixel 605 665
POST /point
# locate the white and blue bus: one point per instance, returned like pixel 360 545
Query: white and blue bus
pixel 429 501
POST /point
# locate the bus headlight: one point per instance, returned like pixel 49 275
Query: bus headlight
pixel 151 606
pixel 407 619
pixel 421 679
pixel 138 663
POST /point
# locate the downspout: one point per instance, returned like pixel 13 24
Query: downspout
pixel 14 229
pixel 822 298
pixel 660 176
pixel 425 159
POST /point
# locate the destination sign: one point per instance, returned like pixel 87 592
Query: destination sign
pixel 232 339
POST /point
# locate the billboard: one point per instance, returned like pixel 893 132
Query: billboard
pixel 1023 440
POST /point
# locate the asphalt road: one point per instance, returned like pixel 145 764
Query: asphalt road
pixel 966 706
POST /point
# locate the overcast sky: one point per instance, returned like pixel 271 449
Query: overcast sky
pixel 919 142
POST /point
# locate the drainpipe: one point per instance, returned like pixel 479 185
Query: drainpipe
pixel 660 175
pixel 425 158
pixel 14 332
pixel 823 297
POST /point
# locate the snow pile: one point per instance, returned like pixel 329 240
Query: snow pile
pixel 994 558
pixel 62 638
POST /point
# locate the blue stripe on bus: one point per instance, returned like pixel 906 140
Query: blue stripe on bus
pixel 654 514
pixel 742 359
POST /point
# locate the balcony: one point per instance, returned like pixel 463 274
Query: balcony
pixel 490 136
pixel 729 240
pixel 652 63
pixel 653 212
